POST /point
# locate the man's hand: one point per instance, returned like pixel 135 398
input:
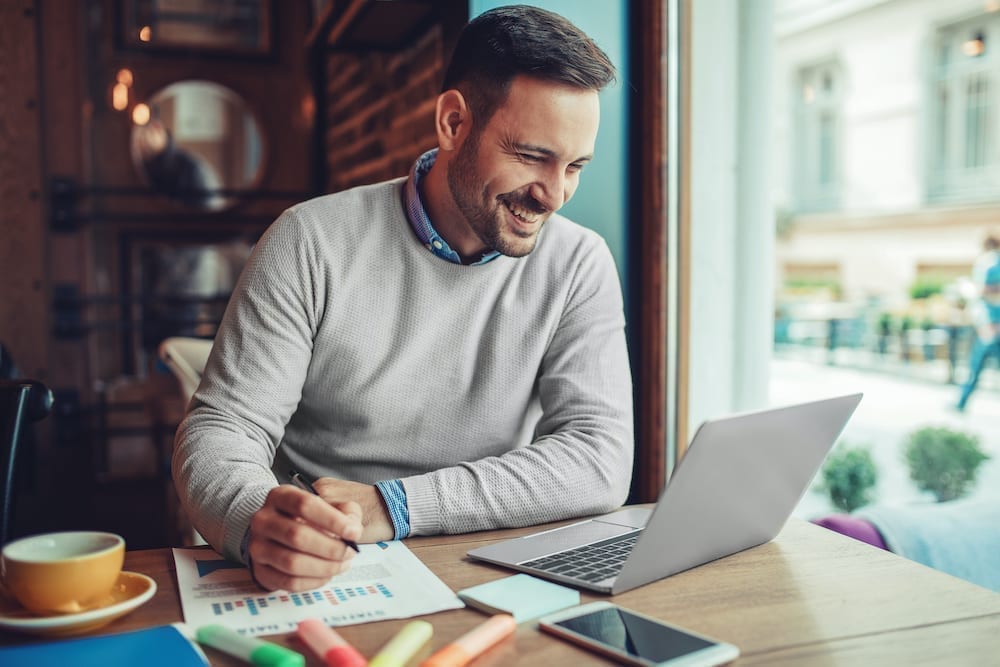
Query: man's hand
pixel 294 539
pixel 375 518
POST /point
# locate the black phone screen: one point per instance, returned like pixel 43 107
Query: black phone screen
pixel 634 635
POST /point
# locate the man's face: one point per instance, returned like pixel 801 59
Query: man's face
pixel 510 175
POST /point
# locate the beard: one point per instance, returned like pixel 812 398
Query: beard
pixel 486 215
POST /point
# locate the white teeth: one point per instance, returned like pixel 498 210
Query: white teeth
pixel 522 214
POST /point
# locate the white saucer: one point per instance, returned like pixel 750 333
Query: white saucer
pixel 131 590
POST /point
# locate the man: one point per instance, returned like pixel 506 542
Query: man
pixel 443 351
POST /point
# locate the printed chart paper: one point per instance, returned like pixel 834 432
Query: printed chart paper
pixel 385 581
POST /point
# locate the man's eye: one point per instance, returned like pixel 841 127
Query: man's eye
pixel 574 168
pixel 528 157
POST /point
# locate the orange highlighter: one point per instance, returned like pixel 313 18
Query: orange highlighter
pixel 470 645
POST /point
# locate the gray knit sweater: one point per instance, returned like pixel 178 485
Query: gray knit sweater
pixel 499 394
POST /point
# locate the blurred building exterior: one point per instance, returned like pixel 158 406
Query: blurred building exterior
pixel 886 160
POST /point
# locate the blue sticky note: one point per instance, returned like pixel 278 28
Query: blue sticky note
pixel 521 595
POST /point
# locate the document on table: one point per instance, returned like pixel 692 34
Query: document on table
pixel 385 581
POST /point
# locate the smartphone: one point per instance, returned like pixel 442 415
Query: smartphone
pixel 636 639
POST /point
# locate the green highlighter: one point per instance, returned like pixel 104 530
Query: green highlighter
pixel 256 652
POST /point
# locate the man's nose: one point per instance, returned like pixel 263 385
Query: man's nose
pixel 552 189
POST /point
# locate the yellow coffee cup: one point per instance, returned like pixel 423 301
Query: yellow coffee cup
pixel 63 573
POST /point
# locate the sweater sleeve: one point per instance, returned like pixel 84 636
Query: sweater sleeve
pixel 580 461
pixel 252 384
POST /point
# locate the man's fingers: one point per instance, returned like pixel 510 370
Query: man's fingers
pixel 289 553
pixel 354 527
pixel 361 500
pixel 340 519
pixel 291 562
pixel 299 536
pixel 271 578
pixel 297 539
pixel 273 523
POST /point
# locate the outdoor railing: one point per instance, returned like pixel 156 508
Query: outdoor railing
pixel 939 353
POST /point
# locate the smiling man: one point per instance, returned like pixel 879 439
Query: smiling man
pixel 494 185
pixel 443 352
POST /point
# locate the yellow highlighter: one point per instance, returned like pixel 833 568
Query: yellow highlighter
pixel 398 650
pixel 478 640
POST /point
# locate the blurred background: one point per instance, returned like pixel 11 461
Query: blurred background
pixel 795 192
pixel 886 172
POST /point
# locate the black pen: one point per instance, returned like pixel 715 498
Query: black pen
pixel 304 483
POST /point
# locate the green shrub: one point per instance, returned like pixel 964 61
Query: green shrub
pixel 927 286
pixel 815 285
pixel 849 476
pixel 943 461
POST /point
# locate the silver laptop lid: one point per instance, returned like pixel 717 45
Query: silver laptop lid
pixel 735 487
pixel 738 483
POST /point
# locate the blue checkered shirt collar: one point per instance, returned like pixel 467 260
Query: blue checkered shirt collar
pixel 421 222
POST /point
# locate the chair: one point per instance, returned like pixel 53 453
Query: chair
pixel 186 358
pixel 21 402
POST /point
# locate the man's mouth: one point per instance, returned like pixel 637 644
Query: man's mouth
pixel 524 215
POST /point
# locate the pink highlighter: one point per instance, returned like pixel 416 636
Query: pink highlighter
pixel 327 644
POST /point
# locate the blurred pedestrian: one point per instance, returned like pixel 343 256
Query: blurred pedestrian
pixel 986 314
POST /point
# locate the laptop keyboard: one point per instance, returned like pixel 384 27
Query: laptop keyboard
pixel 592 562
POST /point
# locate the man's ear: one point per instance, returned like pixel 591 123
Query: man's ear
pixel 452 119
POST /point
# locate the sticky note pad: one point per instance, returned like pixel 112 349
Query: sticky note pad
pixel 521 595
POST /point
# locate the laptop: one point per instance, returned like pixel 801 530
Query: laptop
pixel 734 488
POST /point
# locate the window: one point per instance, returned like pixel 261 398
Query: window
pixel 964 149
pixel 818 103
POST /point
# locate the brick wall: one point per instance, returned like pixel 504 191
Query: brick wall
pixel 380 110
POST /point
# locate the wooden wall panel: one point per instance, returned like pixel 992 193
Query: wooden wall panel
pixel 62 117
pixel 380 114
pixel 22 239
pixel 379 104
pixel 58 61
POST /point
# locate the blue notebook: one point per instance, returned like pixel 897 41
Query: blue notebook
pixel 523 596
pixel 160 646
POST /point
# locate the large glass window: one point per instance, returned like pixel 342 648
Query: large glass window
pixel 890 110
pixel 965 155
pixel 817 164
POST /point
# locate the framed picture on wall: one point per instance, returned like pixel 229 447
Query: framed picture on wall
pixel 239 27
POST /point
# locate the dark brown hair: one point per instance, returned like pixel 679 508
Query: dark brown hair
pixel 505 42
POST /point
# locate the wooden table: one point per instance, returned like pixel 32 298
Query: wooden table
pixel 810 597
